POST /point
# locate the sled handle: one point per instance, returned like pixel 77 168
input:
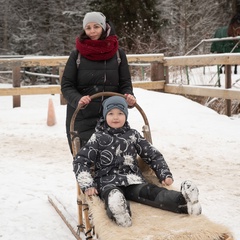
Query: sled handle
pixel 146 128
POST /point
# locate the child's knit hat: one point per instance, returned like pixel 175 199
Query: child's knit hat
pixel 96 17
pixel 115 102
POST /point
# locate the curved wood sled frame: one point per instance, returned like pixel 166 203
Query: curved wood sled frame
pixel 83 209
pixel 84 218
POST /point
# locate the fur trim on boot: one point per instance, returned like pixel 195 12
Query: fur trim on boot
pixel 190 192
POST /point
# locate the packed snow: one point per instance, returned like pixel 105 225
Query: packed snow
pixel 197 143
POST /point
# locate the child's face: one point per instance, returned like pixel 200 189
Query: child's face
pixel 115 118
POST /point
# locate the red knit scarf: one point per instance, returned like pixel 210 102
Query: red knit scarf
pixel 98 49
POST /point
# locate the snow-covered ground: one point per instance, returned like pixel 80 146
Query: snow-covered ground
pixel 197 143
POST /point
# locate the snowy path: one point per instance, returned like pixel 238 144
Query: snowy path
pixel 197 143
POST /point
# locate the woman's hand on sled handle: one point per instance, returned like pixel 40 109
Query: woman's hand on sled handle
pixel 131 100
pixel 91 191
pixel 167 182
pixel 85 100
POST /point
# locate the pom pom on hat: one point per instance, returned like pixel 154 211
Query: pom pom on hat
pixel 115 102
pixel 96 17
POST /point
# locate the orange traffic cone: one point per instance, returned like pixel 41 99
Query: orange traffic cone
pixel 51 118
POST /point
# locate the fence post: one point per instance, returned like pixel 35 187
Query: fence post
pixel 157 71
pixel 167 75
pixel 16 75
pixel 63 101
pixel 228 84
pixel 54 71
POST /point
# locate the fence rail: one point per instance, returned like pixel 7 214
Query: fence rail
pixel 203 60
pixel 159 65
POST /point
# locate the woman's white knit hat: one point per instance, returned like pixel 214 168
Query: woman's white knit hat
pixel 96 17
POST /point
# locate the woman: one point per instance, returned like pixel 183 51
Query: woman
pixel 99 71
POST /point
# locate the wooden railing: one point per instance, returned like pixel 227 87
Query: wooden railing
pixel 160 66
pixel 18 63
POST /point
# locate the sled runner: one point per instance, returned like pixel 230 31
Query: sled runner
pixel 147 222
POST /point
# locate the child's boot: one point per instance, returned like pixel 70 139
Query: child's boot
pixel 190 193
pixel 118 208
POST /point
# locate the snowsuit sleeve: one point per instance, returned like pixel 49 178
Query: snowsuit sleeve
pixel 83 162
pixel 153 158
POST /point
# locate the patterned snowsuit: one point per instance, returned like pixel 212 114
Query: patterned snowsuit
pixel 113 153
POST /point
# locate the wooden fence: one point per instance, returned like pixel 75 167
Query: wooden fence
pixel 160 66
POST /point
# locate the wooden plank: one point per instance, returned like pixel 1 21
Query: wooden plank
pixel 193 60
pixel 156 85
pixel 203 60
pixel 202 91
pixel 33 61
pixel 61 60
pixel 157 57
pixel 53 89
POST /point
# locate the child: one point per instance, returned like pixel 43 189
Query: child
pixel 112 150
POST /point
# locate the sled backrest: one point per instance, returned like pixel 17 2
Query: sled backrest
pixel 145 129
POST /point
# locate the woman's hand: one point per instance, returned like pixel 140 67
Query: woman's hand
pixel 167 182
pixel 84 100
pixel 91 191
pixel 131 100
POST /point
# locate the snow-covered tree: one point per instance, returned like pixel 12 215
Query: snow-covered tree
pixel 172 27
pixel 47 27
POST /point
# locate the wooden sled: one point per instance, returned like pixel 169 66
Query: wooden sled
pixel 148 223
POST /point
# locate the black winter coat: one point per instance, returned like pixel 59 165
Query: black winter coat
pixel 113 153
pixel 92 77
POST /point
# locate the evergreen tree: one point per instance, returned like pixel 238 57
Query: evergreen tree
pixel 135 21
